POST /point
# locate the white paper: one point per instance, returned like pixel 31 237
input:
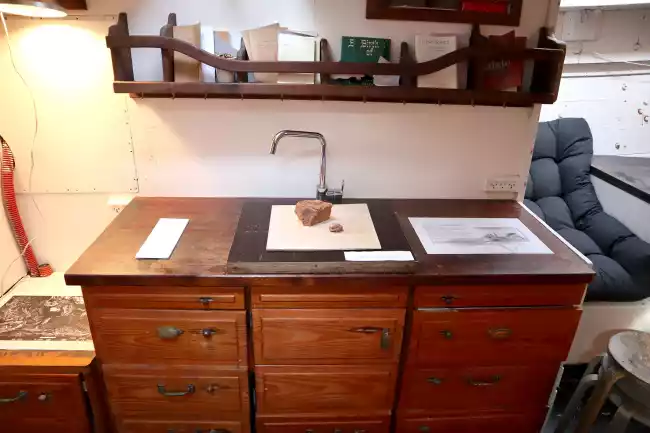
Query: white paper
pixel 262 45
pixel 430 48
pixel 207 44
pixel 378 256
pixel 286 232
pixel 296 48
pixel 163 239
pixel 477 236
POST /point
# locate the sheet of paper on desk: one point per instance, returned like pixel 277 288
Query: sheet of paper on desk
pixel 477 236
pixel 378 256
pixel 163 239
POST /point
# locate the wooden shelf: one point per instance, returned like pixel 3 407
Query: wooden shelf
pixel 330 92
pixel 547 61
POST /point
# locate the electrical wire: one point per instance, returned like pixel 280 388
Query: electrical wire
pixel 6 272
pixel 32 160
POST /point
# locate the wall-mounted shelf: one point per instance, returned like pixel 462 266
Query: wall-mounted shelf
pixel 547 61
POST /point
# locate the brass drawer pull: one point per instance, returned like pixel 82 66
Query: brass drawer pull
pixel 169 332
pixel 447 334
pixel 448 299
pixel 21 395
pixel 384 342
pixel 500 333
pixel 434 380
pixel 205 301
pixel 213 387
pixel 493 381
pixel 190 390
pixel 424 429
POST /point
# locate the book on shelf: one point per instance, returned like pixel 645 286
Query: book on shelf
pixel 430 47
pixel 359 49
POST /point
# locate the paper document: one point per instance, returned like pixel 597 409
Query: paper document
pixel 378 256
pixel 477 236
pixel 163 239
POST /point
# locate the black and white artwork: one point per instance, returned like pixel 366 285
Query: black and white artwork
pixel 477 236
pixel 44 318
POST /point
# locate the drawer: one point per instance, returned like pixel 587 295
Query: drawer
pixel 323 425
pixel 172 298
pixel 325 389
pixel 333 297
pixel 505 423
pixel 34 425
pixel 491 337
pixel 28 398
pixel 327 336
pixel 168 336
pixel 200 393
pixel 520 295
pixel 502 388
pixel 137 426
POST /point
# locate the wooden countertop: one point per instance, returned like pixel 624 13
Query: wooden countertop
pixel 201 255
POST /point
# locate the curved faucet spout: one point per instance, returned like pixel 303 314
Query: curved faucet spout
pixel 322 185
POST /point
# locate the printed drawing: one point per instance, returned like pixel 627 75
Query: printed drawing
pixel 33 318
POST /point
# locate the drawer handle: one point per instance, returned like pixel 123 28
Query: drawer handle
pixel 500 333
pixel 213 387
pixel 21 395
pixel 205 301
pixel 169 332
pixel 434 380
pixel 384 341
pixel 493 381
pixel 424 429
pixel 447 334
pixel 448 299
pixel 190 390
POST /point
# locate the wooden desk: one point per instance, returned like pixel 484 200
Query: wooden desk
pixel 466 343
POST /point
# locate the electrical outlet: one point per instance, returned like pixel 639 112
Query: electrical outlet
pixel 502 185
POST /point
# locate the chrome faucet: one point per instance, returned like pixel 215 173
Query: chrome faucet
pixel 322 185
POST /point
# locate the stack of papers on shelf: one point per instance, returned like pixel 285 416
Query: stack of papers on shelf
pixel 296 47
pixel 430 47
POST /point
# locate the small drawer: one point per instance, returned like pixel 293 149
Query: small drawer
pixel 137 426
pixel 35 425
pixel 27 398
pixel 323 425
pixel 325 389
pixel 491 337
pixel 169 336
pixel 498 388
pixel 521 295
pixel 327 336
pixel 188 394
pixel 334 297
pixel 171 298
pixel 504 423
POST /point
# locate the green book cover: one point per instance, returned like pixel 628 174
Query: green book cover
pixel 364 50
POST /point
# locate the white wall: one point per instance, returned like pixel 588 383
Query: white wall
pixel 598 84
pixel 220 147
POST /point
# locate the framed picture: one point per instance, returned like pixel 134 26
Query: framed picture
pixel 494 12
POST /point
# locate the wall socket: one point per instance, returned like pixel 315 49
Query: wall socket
pixel 502 185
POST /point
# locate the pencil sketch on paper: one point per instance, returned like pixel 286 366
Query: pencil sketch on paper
pixel 477 236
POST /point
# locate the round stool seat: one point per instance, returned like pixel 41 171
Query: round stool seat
pixel 631 351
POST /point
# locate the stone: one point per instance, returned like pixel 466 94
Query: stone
pixel 336 228
pixel 312 212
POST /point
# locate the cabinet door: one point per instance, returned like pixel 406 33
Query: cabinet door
pixel 491 337
pixel 327 336
pixel 178 393
pixel 325 389
pixel 500 388
pixel 166 336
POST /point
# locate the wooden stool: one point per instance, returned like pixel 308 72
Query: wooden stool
pixel 623 376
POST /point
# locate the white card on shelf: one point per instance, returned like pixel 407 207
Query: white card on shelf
pixel 163 239
pixel 378 256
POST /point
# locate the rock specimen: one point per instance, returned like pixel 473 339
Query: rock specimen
pixel 336 228
pixel 311 212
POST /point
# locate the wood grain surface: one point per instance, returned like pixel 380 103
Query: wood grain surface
pixel 490 337
pixel 337 390
pixel 201 256
pixel 334 296
pixel 176 298
pixel 322 425
pixel 132 336
pixel 488 423
pixel 217 394
pixel 157 426
pixel 327 336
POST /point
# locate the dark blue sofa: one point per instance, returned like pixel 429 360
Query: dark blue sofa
pixel 559 190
